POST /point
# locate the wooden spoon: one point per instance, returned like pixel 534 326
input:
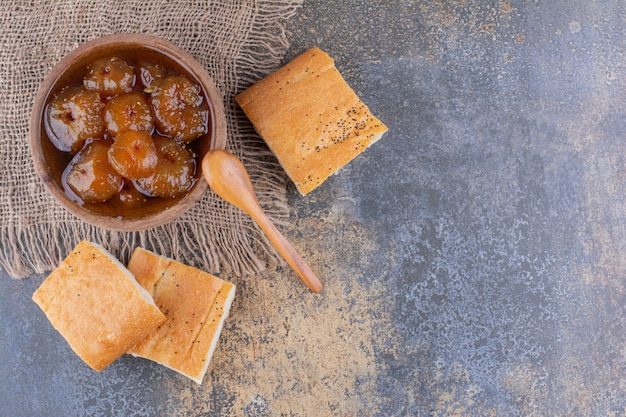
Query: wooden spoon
pixel 227 176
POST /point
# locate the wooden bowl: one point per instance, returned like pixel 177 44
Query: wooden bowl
pixel 49 162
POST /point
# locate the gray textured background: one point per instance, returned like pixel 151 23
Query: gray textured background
pixel 473 258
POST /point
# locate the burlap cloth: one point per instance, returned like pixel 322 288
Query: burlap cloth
pixel 236 41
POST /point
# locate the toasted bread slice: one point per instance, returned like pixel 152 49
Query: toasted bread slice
pixel 196 305
pixel 96 305
pixel 310 118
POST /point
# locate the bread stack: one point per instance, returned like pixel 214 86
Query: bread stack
pixel 156 308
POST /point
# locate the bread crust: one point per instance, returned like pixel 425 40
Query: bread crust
pixel 310 118
pixel 96 305
pixel 196 305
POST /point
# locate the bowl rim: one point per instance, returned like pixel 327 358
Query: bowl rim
pixel 217 138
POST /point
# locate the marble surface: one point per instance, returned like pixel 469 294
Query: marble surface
pixel 473 259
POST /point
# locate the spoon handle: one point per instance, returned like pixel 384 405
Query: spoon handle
pixel 287 251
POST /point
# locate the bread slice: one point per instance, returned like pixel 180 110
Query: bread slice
pixel 96 305
pixel 310 118
pixel 196 305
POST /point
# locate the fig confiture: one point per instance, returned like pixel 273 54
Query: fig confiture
pixel 122 133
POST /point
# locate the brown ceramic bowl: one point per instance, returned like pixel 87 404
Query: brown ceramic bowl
pixel 50 162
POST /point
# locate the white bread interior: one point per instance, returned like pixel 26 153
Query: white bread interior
pixel 310 118
pixel 96 305
pixel 196 305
